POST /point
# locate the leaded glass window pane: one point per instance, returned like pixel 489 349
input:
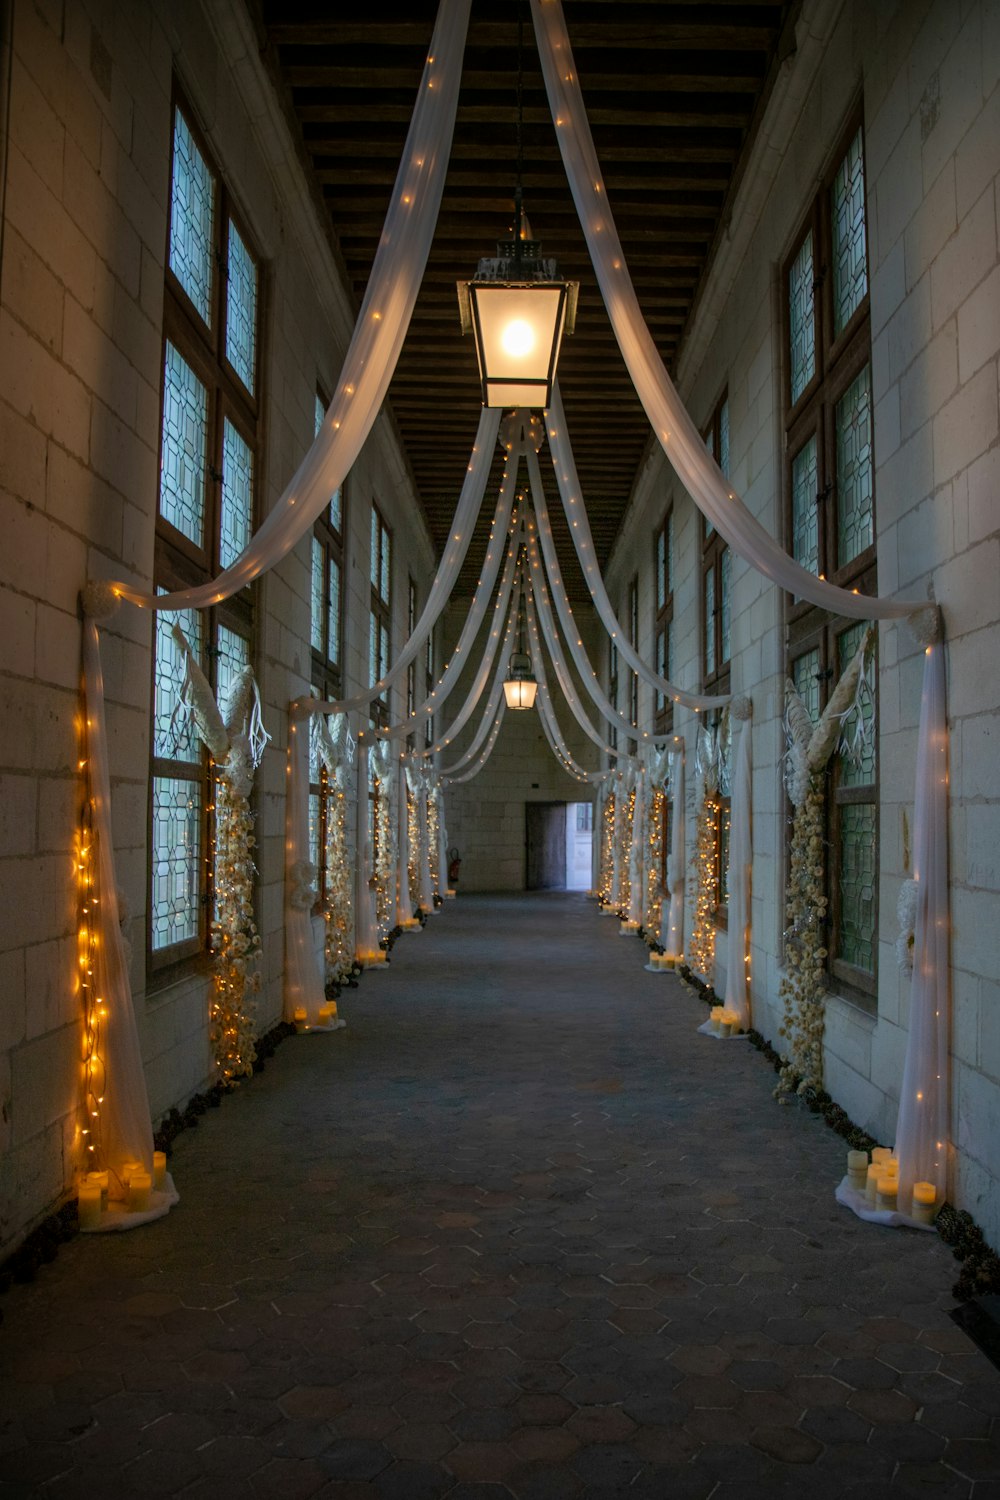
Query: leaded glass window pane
pixel 858 771
pixel 241 309
pixel 232 656
pixel 176 862
pixel 333 614
pixel 237 495
pixel 805 514
pixel 724 438
pixel 855 515
pixel 670 553
pixel 192 219
pixel 801 318
pixel 383 664
pixel 384 581
pixel 724 840
pixel 725 590
pixel 374 552
pixel 805 675
pixel 316 599
pixel 335 506
pixel 710 445
pixel 168 675
pixel 182 461
pixel 661 666
pixel 373 650
pixel 858 843
pixel 314 829
pixel 850 262
pixel 709 586
pixel 661 568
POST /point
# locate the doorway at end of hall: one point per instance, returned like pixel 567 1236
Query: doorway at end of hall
pixel 558 843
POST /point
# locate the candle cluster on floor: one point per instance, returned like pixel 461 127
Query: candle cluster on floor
pixel 725 1022
pixel 876 1175
pixel 137 1185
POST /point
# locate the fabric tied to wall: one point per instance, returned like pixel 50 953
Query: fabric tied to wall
pixel 124 1129
pixel 672 936
pixel 676 432
pixel 381 327
pixel 740 865
pixel 922 1144
pixel 303 987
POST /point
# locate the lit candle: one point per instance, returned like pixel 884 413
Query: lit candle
pixel 716 1018
pixel 725 1023
pixel 159 1169
pixel 924 1202
pixel 880 1154
pixel 891 1166
pixel 88 1204
pixel 871 1181
pixel 128 1167
pixel 857 1169
pixel 888 1190
pixel 138 1191
pixel 100 1179
pixel 300 1016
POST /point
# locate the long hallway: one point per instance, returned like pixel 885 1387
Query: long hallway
pixel 518 1231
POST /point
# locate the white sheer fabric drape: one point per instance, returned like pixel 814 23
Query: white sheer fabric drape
pixel 486 751
pixel 489 715
pixel 740 864
pixel 546 708
pixel 304 980
pixel 636 884
pixel 378 334
pixel 404 901
pixel 426 884
pixel 676 432
pixel 126 1131
pixel 365 930
pixel 922 1124
pixel 672 937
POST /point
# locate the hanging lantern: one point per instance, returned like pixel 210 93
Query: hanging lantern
pixel 518 307
pixel 520 686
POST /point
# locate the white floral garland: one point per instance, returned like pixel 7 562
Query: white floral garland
pixel 336 751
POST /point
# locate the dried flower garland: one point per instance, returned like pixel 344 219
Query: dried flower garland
pixel 654 862
pixel 701 950
pixel 338 910
pixel 625 864
pixel 606 866
pixel 236 976
pixel 385 854
pixel 434 843
pixel 413 842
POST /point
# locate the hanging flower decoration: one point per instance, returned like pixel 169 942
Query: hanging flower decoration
pixel 336 753
pixel 236 746
pixel 803 984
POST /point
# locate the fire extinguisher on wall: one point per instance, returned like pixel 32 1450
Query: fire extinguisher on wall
pixel 454 865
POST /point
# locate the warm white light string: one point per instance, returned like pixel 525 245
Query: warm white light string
pixel 546 708
pixel 487 750
pixel 500 610
pixel 678 436
pixel 379 332
pixel 495 695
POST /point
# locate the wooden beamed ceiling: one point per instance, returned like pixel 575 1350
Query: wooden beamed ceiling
pixel 673 91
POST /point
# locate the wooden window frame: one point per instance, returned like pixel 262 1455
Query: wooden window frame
pixel 327 668
pixel 633 638
pixel 715 673
pixel 839 359
pixel 613 691
pixel 179 562
pixel 381 609
pixel 663 619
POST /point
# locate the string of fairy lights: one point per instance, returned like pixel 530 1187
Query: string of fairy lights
pixel 93 1002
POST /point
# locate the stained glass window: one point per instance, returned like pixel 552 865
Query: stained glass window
pixel 710 622
pixel 177 862
pixel 725 590
pixel 232 656
pixel 316 596
pixel 237 495
pixel 853 424
pixel 806 677
pixel 241 309
pixel 183 448
pixel 801 318
pixel 857 876
pixel 850 261
pixel 170 742
pixel 857 770
pixel 805 518
pixel 192 219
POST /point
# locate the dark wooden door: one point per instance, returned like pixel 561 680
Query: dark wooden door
pixel 545 845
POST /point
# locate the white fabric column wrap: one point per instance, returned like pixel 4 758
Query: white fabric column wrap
pixel 673 942
pixel 922 1124
pixel 404 901
pixel 365 931
pixel 303 984
pixel 637 887
pixel 426 886
pixel 740 867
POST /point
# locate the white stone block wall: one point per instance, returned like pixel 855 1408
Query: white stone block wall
pixel 929 75
pixel 80 368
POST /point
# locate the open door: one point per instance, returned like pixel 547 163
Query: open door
pixel 545 846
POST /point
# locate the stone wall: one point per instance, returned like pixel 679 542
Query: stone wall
pixel 928 73
pixel 80 371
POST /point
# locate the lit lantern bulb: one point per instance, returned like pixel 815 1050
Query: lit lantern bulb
pixel 518 338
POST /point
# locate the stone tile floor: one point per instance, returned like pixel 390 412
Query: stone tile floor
pixel 519 1231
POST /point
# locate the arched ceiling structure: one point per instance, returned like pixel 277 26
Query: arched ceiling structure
pixel 674 91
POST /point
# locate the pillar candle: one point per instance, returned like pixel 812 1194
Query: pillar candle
pixel 300 1016
pixel 857 1169
pixel 924 1202
pixel 891 1166
pixel 128 1167
pixel 323 1016
pixel 871 1182
pixel 88 1205
pixel 138 1191
pixel 159 1169
pixel 100 1180
pixel 880 1154
pixel 888 1189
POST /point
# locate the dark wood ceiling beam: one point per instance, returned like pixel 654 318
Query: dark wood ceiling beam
pixel 702 159
pixel 502 35
pixel 362 112
pixel 317 75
